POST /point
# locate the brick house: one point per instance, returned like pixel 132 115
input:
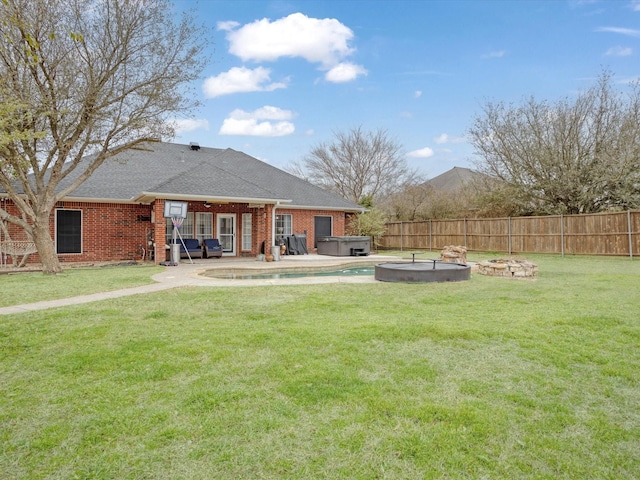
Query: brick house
pixel 118 213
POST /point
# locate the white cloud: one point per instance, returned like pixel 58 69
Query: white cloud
pixel 344 72
pixel 425 152
pixel 240 79
pixel 268 112
pixel 417 94
pixel 635 5
pixel 189 124
pixel 227 26
pixel 267 121
pixel 446 138
pixel 619 30
pixel 619 51
pixel 496 54
pixel 324 41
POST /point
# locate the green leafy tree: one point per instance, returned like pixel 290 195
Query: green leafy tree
pixel 370 223
pixel 82 81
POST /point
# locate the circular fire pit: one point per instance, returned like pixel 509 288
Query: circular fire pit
pixel 422 272
pixel 508 268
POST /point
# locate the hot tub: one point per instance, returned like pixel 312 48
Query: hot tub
pixel 344 246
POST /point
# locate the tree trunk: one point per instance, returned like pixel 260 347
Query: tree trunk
pixel 23 260
pixel 46 247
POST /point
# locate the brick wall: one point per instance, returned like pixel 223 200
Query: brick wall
pixel 122 232
pixel 303 221
pixel 110 231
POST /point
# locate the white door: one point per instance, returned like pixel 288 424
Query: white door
pixel 227 233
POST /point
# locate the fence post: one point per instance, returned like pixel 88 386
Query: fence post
pixel 3 256
pixel 465 232
pixel 630 235
pixel 430 235
pixel 401 237
pixel 561 235
pixel 509 235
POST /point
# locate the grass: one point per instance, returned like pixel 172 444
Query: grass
pixel 490 378
pixel 27 287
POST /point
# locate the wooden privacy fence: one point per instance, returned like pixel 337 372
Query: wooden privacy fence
pixel 615 233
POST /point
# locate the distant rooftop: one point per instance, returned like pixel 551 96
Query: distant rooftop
pixel 453 180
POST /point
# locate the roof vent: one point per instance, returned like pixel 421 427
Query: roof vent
pixel 194 146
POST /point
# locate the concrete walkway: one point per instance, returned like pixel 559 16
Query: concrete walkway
pixel 191 275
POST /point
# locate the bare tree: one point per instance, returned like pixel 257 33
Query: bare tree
pixel 574 156
pixel 358 164
pixel 82 81
pixel 410 203
pixel 423 202
pixel 494 198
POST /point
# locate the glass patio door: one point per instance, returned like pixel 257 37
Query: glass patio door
pixel 227 233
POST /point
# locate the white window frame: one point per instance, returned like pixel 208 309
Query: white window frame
pixel 186 230
pixel 247 233
pixel 287 227
pixel 204 225
pixel 81 230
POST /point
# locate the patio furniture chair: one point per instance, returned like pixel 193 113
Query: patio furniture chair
pixel 212 248
pixel 192 246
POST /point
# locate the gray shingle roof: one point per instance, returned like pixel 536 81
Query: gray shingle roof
pixel 169 170
pixel 453 180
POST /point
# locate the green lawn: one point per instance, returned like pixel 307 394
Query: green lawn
pixel 27 287
pixel 490 378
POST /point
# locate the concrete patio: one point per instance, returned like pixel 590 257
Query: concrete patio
pixel 187 273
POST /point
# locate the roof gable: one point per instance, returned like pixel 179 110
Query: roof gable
pixel 169 170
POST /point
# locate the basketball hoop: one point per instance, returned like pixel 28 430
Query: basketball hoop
pixel 177 212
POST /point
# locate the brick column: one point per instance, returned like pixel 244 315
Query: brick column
pixel 268 228
pixel 159 232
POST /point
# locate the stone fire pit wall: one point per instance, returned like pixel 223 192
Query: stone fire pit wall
pixel 508 268
pixel 454 254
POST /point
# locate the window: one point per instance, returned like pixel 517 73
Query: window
pixel 204 225
pixel 186 230
pixel 68 231
pixel 284 224
pixel 246 231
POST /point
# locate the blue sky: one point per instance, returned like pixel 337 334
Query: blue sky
pixel 285 75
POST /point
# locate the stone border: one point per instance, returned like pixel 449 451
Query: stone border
pixel 508 268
